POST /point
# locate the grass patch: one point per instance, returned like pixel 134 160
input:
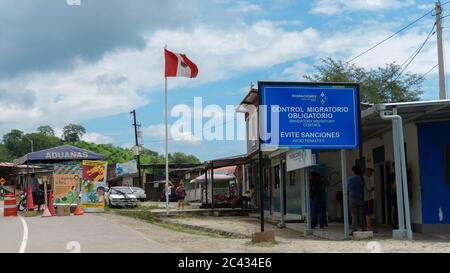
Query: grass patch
pixel 150 207
pixel 270 244
pixel 147 216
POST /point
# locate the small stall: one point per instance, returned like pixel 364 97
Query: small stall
pixel 224 183
pixel 225 170
pixel 74 170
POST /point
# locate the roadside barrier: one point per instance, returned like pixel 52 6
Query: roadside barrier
pixel 51 206
pixel 10 206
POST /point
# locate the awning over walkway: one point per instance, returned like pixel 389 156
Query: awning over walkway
pixel 420 111
pixel 218 177
pixel 229 161
pixel 59 154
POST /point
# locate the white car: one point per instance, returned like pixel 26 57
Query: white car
pixel 121 197
pixel 140 193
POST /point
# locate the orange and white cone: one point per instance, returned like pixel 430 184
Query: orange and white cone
pixel 78 211
pixel 30 203
pixel 51 206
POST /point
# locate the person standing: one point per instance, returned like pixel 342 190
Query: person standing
pixel 315 193
pixel 323 208
pixel 181 194
pixel 369 196
pixel 355 186
pixel 168 192
pixel 34 184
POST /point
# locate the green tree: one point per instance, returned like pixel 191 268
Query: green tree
pixel 5 155
pixel 40 142
pixel 12 140
pixel 181 158
pixel 46 130
pixel 384 84
pixel 73 133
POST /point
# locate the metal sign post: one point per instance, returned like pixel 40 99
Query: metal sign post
pixel 403 212
pixel 308 230
pixel 345 194
pixel 282 175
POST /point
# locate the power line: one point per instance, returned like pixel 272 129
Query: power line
pixel 391 36
pixel 416 53
pixel 429 71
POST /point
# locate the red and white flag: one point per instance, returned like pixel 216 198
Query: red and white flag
pixel 178 65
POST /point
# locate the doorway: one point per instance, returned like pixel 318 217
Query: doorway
pixel 383 187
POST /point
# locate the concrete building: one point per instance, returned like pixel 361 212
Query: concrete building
pixel 427 148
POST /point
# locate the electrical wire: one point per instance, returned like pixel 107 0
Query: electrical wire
pixel 396 33
pixel 389 37
pixel 416 53
pixel 429 71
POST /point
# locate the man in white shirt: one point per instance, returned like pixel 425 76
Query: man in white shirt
pixel 369 196
pixel 168 193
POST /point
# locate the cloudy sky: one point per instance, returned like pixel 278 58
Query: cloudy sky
pixel 92 63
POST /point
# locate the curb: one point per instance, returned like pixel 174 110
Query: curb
pixel 163 220
pixel 206 229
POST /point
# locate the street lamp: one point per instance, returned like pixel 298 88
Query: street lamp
pixel 31 142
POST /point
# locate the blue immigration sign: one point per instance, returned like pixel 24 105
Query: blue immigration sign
pixel 309 116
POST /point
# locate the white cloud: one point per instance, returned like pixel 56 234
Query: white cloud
pixel 245 7
pixel 297 70
pixel 97 138
pixel 155 131
pixel 158 132
pixel 330 7
pixel 124 79
pixel 426 6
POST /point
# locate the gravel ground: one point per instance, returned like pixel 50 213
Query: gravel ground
pixel 185 242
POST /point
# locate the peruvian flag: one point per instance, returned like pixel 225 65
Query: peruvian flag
pixel 178 65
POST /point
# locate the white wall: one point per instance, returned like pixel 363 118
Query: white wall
pixel 411 140
pixel 332 160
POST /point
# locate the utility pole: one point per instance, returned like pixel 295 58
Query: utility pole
pixel 442 93
pixel 138 156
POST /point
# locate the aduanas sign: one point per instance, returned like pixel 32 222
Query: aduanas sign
pixel 66 155
pixel 61 153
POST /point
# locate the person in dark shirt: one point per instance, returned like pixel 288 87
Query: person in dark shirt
pixel 355 194
pixel 316 199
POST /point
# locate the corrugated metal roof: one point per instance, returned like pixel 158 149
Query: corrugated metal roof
pixel 12 165
pixel 419 111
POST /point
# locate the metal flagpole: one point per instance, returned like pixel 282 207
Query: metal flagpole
pixel 166 144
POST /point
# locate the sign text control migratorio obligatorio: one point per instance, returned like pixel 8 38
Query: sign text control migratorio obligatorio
pixel 309 116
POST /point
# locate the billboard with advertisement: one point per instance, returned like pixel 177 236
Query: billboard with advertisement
pixel 65 184
pixel 93 186
pixel 129 167
pixel 309 115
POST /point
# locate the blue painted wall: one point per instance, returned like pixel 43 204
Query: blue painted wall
pixel 433 137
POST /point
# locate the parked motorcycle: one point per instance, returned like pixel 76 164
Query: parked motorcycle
pixel 38 199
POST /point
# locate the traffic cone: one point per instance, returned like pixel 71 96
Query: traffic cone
pixel 78 211
pixel 51 206
pixel 47 213
pixel 30 204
